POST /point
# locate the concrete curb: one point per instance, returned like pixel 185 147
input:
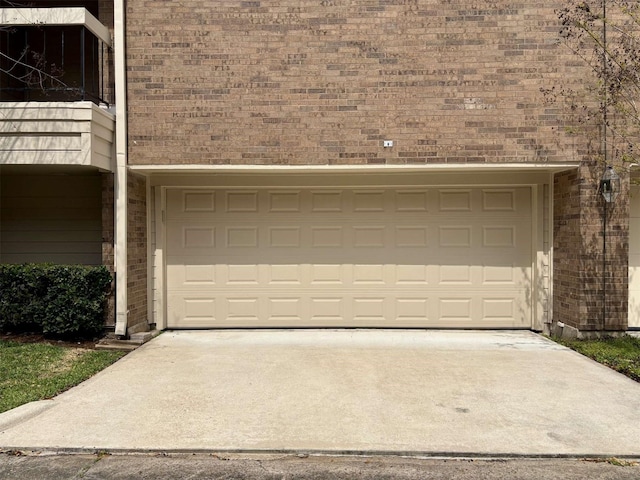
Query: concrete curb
pixel 23 413
pixel 310 453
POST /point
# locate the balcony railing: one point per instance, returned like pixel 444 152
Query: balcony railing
pixel 54 54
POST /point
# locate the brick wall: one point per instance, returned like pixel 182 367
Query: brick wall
pixel 137 253
pixel 325 82
pixel 578 253
pixel 566 270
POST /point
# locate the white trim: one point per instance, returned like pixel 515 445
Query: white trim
pixel 150 211
pixel 158 260
pixel 551 206
pixel 55 16
pixel 348 179
pixel 537 257
pixel 280 169
pixel 121 169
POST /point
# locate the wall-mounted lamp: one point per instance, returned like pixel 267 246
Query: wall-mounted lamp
pixel 609 189
pixel 609 185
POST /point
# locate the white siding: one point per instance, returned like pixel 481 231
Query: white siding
pixel 56 133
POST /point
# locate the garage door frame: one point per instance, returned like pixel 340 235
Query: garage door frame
pixel 538 181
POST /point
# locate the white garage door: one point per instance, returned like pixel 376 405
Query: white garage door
pixel 436 257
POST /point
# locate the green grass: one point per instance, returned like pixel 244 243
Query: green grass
pixel 621 354
pixel 36 371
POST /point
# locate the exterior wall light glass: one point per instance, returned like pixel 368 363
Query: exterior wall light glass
pixel 610 185
pixel 609 188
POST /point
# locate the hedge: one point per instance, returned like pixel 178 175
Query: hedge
pixel 65 301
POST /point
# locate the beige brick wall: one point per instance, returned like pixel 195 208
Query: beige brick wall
pixel 137 252
pixel 579 294
pixel 325 82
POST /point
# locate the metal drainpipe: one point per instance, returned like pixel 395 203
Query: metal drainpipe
pixel 120 192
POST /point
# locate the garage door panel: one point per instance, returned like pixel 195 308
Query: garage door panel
pixel 241 201
pixel 452 310
pixel 190 202
pixel 242 308
pixel 326 274
pixel 287 275
pixel 455 236
pixel 454 275
pixel 455 200
pixel 191 311
pixel 369 236
pixel 327 237
pixel 499 200
pixel 412 201
pixel 498 309
pixel 448 257
pixel 284 237
pixel 189 238
pixel 499 275
pixel 328 310
pixel 412 309
pixel 284 202
pixel 371 274
pixel 188 276
pixel 416 236
pixel 286 310
pixel 503 236
pixel 410 274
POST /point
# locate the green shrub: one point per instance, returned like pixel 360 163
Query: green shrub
pixel 21 287
pixel 57 300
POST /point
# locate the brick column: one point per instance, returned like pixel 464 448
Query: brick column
pixel 578 255
pixel 137 254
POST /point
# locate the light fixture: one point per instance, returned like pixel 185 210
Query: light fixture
pixel 610 185
pixel 609 188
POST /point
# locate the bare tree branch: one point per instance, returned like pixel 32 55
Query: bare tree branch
pixel 614 61
pixel 33 64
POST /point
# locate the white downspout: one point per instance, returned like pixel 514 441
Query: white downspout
pixel 120 192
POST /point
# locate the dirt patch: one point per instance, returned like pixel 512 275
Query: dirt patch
pixel 64 364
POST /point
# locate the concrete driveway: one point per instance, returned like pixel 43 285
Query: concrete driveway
pixel 338 391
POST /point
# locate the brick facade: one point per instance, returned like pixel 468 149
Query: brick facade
pixel 578 254
pixel 137 254
pixel 324 83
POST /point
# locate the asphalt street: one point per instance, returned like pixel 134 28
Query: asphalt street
pixel 16 466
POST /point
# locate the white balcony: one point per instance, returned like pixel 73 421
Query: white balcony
pixel 54 54
pixel 55 16
pixel 56 133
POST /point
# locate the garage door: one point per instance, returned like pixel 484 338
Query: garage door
pixel 436 257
